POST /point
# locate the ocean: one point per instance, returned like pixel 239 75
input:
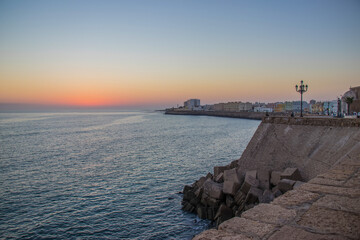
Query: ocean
pixel 108 175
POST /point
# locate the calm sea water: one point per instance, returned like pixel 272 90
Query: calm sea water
pixel 113 175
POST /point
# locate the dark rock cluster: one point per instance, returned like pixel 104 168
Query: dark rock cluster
pixel 229 191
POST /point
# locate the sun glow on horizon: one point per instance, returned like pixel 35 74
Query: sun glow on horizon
pixel 133 54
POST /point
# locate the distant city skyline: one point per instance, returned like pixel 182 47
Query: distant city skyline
pixel 160 53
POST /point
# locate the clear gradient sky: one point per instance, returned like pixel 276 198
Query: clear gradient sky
pixel 160 53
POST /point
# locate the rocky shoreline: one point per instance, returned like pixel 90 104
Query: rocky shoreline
pixel 229 191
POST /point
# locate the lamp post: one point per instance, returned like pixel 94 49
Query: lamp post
pixel 301 89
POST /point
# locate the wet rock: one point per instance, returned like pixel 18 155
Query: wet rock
pixel 209 176
pixel 292 174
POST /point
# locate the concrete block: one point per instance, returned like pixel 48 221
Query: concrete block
pixel 249 182
pixel 230 202
pixel 220 178
pixel 275 177
pixel 201 211
pixel 264 179
pixel 213 189
pixel 292 174
pixel 252 173
pixel 267 197
pixel 219 169
pixel 253 195
pixel 232 176
pixel 224 212
pixel 285 185
pixel 209 176
pixel 239 198
pixel 200 182
pixel 231 187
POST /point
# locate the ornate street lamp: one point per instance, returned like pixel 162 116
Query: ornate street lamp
pixel 301 89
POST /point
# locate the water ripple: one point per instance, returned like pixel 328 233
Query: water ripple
pixel 108 175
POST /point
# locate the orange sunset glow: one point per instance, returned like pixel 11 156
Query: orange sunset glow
pixel 142 58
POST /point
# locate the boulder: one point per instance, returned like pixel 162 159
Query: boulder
pixel 264 179
pixel 231 187
pixel 292 174
pixel 275 177
pixel 253 195
pixel 285 185
pixel 213 189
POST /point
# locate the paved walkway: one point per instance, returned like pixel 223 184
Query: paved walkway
pixel 327 207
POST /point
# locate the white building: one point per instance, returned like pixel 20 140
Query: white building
pixel 192 104
pixel 262 109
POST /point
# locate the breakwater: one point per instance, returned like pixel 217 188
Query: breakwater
pixel 322 150
pixel 245 115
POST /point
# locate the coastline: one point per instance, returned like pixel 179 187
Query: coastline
pixel 244 115
pixel 328 163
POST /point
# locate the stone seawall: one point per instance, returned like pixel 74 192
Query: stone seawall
pixel 245 115
pixel 325 151
pixel 313 145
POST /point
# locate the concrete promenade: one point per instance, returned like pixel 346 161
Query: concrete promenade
pixel 327 207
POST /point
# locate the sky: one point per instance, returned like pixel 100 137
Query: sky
pixel 161 53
